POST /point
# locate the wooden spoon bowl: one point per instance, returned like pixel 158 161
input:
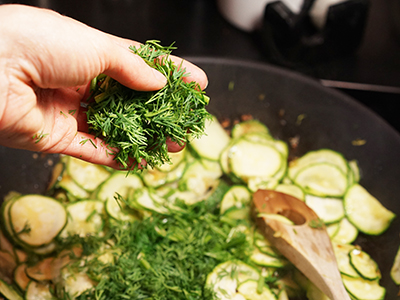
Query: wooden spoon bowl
pixel 306 243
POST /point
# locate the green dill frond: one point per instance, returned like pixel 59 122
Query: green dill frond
pixel 138 123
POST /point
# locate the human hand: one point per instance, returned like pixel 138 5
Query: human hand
pixel 46 63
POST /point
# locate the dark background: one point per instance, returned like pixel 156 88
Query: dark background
pixel 370 74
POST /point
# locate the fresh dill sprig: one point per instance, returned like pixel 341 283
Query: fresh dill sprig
pixel 138 123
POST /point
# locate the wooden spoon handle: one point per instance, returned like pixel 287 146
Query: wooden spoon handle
pixel 306 244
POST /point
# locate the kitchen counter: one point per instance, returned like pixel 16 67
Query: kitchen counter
pixel 371 74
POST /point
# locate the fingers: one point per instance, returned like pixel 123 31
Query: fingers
pixel 195 73
pixel 133 72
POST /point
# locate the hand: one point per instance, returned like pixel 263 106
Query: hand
pixel 46 63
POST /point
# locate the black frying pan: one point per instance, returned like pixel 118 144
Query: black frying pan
pixel 277 98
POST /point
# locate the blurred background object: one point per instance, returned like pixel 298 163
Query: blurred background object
pixel 367 66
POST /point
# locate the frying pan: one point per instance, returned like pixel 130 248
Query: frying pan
pixel 278 98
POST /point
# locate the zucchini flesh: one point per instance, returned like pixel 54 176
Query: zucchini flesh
pixel 38 291
pixel 36 220
pixel 343 259
pixel 85 217
pixel 20 277
pixel 250 126
pixel 248 159
pixel 364 264
pixel 237 196
pixel 363 289
pixel 329 210
pixel 225 278
pixel 250 290
pixel 118 182
pixel 395 270
pixel 210 145
pixel 325 180
pixel 365 212
pixel 86 175
pixel 347 232
pixel 317 157
pixel 8 291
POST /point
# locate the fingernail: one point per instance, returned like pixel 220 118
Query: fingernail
pixel 159 76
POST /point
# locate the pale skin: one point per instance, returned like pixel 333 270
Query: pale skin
pixel 46 63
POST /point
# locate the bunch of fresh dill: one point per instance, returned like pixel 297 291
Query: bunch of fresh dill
pixel 138 123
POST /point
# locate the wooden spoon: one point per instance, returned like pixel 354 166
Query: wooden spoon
pixel 306 243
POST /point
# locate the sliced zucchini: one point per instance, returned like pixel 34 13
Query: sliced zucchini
pixel 87 175
pixel 329 210
pixel 73 190
pixel 364 264
pixel 248 159
pixel 322 179
pixel 118 183
pixel 75 282
pixel 176 158
pixel 225 278
pixel 38 291
pixel 355 173
pixel 156 178
pixel 365 212
pixel 251 290
pixel 291 189
pixel 395 269
pixel 36 220
pixel 146 199
pixel 85 217
pixel 20 277
pixel 237 196
pixel 41 271
pixel 210 145
pixel 332 229
pixel 5 244
pixel 343 259
pixel 9 291
pixel 118 210
pixel 362 289
pixel 265 260
pixel 347 232
pixel 317 157
pixel 250 126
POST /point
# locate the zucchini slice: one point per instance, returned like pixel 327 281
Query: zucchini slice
pixel 7 266
pixel 343 259
pixel 119 182
pixel 365 212
pixel 395 270
pixel 250 289
pixel 249 159
pixel 225 278
pixel 364 264
pixel 9 291
pixel 20 277
pixel 38 290
pixel 317 157
pixel 41 271
pixel 329 210
pixel 85 217
pixel 265 260
pixel 87 175
pixel 237 196
pixel 36 220
pixel 291 189
pixel 360 288
pixel 210 145
pixel 322 179
pixel 347 232
pixel 250 126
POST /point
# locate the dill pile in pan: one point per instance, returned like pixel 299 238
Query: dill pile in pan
pixel 138 123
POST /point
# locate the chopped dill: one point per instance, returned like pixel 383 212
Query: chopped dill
pixel 162 257
pixel 139 123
